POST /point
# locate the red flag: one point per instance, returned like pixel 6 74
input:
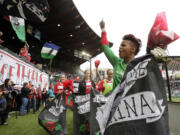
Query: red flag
pixel 68 84
pixel 159 34
pixel 77 79
pixel 97 62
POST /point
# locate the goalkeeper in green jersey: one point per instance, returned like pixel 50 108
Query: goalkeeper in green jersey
pixel 129 48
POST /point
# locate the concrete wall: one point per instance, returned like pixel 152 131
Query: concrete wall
pixel 174 118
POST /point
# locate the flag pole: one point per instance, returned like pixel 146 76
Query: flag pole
pixel 90 68
pixel 50 63
pixel 168 82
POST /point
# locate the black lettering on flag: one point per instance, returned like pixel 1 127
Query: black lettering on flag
pixel 143 100
pixel 120 114
pixel 142 68
pixel 133 109
pixel 134 73
pixel 137 110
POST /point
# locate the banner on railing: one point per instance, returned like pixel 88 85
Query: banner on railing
pixel 20 71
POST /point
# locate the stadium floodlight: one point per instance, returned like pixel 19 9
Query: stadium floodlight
pixel 86 54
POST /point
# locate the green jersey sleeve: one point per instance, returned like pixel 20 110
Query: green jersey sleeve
pixel 110 55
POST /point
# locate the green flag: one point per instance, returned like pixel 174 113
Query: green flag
pixel 49 50
pixel 19 27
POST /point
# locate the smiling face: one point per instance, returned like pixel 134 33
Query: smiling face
pixel 127 50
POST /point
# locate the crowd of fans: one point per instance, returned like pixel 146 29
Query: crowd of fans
pixel 174 87
pixel 29 97
pixel 20 100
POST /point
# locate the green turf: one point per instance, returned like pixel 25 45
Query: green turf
pixel 174 99
pixel 28 125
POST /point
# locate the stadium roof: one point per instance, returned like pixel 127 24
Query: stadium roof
pixel 64 27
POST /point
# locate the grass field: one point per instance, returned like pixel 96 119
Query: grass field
pixel 28 125
pixel 174 99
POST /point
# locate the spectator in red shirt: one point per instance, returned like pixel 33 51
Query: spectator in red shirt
pixel 24 51
pixel 29 85
pixel 86 84
pixel 32 99
pixel 59 88
pixel 28 58
pixel 76 84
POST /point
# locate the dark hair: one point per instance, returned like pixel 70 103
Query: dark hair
pixel 50 86
pixel 135 40
pixel 6 83
pixel 25 84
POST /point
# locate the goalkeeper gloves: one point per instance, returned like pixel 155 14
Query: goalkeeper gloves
pixel 158 53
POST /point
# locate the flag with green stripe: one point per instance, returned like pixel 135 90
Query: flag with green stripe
pixel 19 27
pixel 49 50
